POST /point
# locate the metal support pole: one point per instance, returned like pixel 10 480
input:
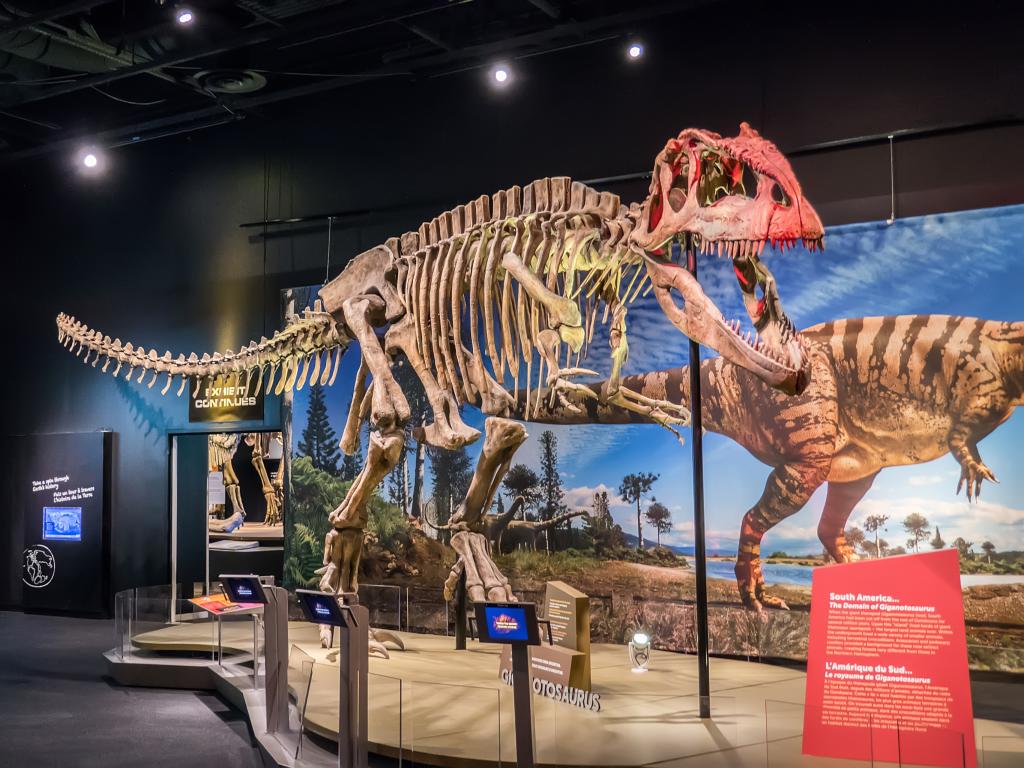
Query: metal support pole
pixel 460 614
pixel 523 706
pixel 700 554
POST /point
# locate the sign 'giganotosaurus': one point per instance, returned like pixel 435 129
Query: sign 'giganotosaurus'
pixel 495 303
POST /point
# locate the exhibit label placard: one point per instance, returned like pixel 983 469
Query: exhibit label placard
pixel 568 610
pixel 224 399
pixel 887 675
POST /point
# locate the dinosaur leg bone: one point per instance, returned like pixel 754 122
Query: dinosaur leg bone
pixel 447 430
pixel 389 406
pixel 484 582
pixel 234 494
pixel 483 579
pixel 260 448
pixel 566 324
pixel 661 412
pixel 382 455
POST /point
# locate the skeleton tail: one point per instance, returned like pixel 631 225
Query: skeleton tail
pixel 309 348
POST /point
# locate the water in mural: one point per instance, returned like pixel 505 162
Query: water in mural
pixel 608 508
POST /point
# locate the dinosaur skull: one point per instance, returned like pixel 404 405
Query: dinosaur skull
pixel 729 196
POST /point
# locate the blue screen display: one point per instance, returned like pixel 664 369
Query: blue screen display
pixel 321 609
pixel 241 589
pixel 62 523
pixel 505 623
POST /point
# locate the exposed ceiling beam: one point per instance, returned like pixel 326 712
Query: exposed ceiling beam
pixel 296 33
pixel 24 22
pixel 471 57
pixel 546 7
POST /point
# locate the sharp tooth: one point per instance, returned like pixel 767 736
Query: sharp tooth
pixel 719 248
pixel 760 247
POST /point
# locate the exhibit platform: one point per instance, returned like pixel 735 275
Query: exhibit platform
pixel 433 705
pixel 251 532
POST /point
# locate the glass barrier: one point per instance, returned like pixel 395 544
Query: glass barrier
pixel 454 723
pixel 148 621
pixel 300 677
pixel 385 716
pixel 637 729
pixel 1002 751
pixel 919 747
pixel 784 739
pixel 426 611
pixel 384 602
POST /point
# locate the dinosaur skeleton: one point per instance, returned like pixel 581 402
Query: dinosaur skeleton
pixel 504 294
pixel 222 448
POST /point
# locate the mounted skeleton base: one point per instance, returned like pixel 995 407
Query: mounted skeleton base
pixel 495 304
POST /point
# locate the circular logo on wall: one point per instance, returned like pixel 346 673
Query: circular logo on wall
pixel 38 566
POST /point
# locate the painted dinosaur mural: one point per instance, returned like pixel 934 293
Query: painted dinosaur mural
pixel 503 295
pixel 884 392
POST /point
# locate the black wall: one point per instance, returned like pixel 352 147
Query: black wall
pixel 153 252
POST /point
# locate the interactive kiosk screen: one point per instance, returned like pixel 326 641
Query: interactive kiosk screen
pixel 62 523
pixel 321 607
pixel 243 588
pixel 507 623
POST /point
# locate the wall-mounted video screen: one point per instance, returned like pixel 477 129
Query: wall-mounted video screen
pixel 62 523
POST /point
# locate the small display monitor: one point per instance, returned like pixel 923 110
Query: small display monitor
pixel 243 588
pixel 507 623
pixel 62 523
pixel 321 607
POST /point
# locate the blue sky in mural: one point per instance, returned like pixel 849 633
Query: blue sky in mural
pixel 963 263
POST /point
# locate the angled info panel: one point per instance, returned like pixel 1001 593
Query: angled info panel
pixel 887 671
pixel 61 492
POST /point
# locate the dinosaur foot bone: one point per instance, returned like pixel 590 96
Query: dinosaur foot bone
pixel 376 643
pixel 662 412
pixel 484 582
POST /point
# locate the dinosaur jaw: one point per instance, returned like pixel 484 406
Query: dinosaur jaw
pixel 774 354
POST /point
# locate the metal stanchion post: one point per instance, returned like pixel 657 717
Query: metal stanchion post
pixel 700 552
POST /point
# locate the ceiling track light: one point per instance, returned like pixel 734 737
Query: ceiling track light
pixel 90 161
pixel 635 51
pixel 184 15
pixel 501 75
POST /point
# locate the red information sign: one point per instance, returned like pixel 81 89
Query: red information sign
pixel 887 671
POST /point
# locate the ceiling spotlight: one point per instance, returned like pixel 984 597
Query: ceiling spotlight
pixel 635 51
pixel 184 16
pixel 90 160
pixel 501 74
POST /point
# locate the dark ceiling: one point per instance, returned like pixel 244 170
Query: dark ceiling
pixel 125 71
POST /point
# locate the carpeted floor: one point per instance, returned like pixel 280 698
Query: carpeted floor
pixel 58 709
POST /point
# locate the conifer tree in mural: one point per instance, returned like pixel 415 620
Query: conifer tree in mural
pixel 319 442
pixel 551 484
pixel 659 516
pixel 632 490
